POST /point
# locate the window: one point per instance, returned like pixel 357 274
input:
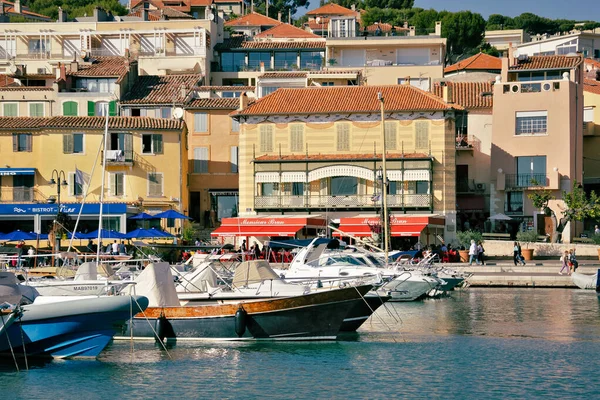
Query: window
pixel 266 138
pixel 10 109
pixel 269 189
pixel 514 202
pixel 235 125
pixel 36 109
pixel 22 142
pixel 297 138
pixel 101 108
pixel 233 62
pixel 588 114
pixel 201 122
pixel 165 112
pixel 311 59
pixel 327 84
pixel 531 122
pixel 390 136
pixel 73 143
pixel 462 124
pixel 421 135
pixel 234 159
pixel 70 108
pixel 343 137
pixel 417 187
pixel 421 83
pixel 286 59
pixel 152 143
pixel 155 184
pixel 96 85
pixel 75 189
pixel 117 184
pixel 297 189
pixel 265 90
pixel 343 185
pixel 38 46
pixel 201 160
pixel 255 58
pixel 531 171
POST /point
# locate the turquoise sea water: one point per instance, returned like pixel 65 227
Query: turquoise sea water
pixel 481 343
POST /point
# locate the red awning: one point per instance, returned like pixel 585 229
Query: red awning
pixel 354 230
pixel 400 225
pixel 407 230
pixel 397 230
pixel 250 230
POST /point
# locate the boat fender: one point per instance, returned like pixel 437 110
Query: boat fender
pixel 240 321
pixel 161 328
pixel 319 284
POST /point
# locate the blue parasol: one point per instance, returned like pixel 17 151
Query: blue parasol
pixel 105 234
pixel 141 233
pixel 171 214
pixel 17 236
pixel 143 216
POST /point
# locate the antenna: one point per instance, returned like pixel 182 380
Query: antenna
pixel 178 112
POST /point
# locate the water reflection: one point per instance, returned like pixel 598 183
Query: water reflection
pixel 551 314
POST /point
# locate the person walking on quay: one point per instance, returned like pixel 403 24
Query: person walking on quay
pixel 565 263
pixel 517 256
pixel 473 253
pixel 573 264
pixel 596 230
pixel 480 253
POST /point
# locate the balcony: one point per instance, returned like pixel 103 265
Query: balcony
pixel 118 157
pixel 531 87
pixel 423 201
pixel 525 181
pixel 20 194
pixel 467 143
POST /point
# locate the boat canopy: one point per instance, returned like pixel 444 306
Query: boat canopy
pixel 253 272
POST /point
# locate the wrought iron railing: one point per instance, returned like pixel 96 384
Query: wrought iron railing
pixel 119 157
pixel 352 201
pixel 525 180
pixel 20 194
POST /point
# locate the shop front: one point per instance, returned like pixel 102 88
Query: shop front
pixel 39 217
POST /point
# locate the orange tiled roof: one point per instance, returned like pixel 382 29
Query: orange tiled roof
pixel 345 99
pixel 338 157
pixel 548 62
pixel 479 61
pixel 288 75
pixel 384 27
pixel 160 89
pixel 224 88
pixel 140 123
pixel 239 42
pixel 103 66
pixel 286 31
pixel 26 88
pixel 591 86
pixel 593 63
pixel 321 25
pixel 253 19
pixel 10 9
pixel 6 80
pixel 467 94
pixel 331 9
pixel 229 103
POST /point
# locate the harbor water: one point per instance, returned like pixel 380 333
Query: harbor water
pixel 479 343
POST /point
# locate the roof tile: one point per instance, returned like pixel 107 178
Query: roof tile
pixel 344 99
pixel 385 27
pixel 591 86
pixel 286 31
pixel 224 88
pixel 479 61
pixel 25 88
pixel 153 89
pixel 467 94
pixel 287 75
pixel 331 9
pixel 228 103
pixel 103 66
pixel 548 62
pixel 137 123
pixel 253 19
pixel 239 42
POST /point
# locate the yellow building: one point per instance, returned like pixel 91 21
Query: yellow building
pixel 318 151
pixel 591 136
pixel 146 169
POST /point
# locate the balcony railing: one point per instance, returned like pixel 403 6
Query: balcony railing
pixel 351 201
pixel 20 194
pixel 119 157
pixel 525 181
pixel 467 142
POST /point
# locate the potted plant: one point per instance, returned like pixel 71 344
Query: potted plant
pixel 526 237
pixel 332 61
pixel 464 240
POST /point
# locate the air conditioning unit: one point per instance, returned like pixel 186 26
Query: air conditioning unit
pixel 515 88
pixel 41 71
pixel 480 186
pixel 547 87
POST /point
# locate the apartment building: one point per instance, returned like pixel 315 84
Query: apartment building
pixel 502 39
pixel 591 134
pixel 318 151
pixel 537 140
pixel 146 169
pixel 480 64
pixel 586 43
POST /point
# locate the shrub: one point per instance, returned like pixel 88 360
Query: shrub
pixel 465 237
pixel 526 237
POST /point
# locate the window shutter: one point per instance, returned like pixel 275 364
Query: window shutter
pixel 91 108
pixel 390 136
pixel 29 142
pixel 201 160
pixel 297 138
pixel 200 122
pixel 234 159
pixel 421 135
pixel 112 108
pixel 343 137
pixel 15 142
pixel 70 108
pixel 68 143
pixel 235 125
pixel 128 144
pixel 266 138
pixel 155 184
pixel 119 184
pixel 157 143
pixel 113 185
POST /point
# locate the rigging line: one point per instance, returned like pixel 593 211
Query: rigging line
pixel 373 313
pixel 23 343
pixel 4 323
pixel 151 327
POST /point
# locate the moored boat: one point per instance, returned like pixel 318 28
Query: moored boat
pixel 584 281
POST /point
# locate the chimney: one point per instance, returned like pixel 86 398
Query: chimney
pixel 438 28
pixel 406 81
pixel 511 55
pixel 17 6
pixel 279 16
pixel 183 91
pixel 446 92
pixel 145 13
pixel 353 7
pixel 405 26
pixel 62 15
pixel 74 67
pixel 267 8
pixel 411 31
pixel 262 66
pixel 243 101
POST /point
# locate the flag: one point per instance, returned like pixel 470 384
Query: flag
pixel 81 178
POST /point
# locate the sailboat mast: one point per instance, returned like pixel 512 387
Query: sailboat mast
pixel 102 186
pixel 384 182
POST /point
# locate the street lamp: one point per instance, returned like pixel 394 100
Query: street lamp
pixel 384 185
pixel 59 179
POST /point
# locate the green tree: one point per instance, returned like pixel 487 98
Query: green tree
pixel 276 6
pixel 579 205
pixel 498 21
pixel 74 8
pixel 534 24
pixel 464 31
pixel 488 49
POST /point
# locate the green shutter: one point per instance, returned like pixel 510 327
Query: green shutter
pixel 157 143
pixel 91 108
pixel 70 108
pixel 112 108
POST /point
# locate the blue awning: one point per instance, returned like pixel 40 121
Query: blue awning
pixel 16 171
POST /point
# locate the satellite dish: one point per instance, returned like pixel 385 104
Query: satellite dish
pixel 318 19
pixel 178 113
pixel 12 68
pixel 211 17
pixel 83 54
